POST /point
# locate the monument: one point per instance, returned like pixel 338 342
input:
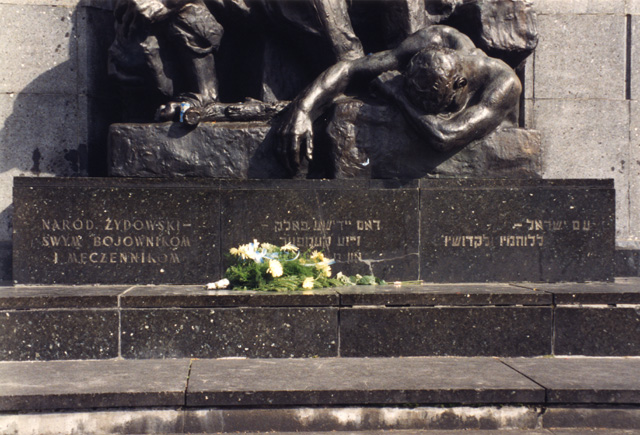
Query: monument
pixel 384 133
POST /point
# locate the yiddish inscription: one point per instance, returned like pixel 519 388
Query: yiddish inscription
pixel 341 238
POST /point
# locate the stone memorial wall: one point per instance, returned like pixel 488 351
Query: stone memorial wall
pixel 131 231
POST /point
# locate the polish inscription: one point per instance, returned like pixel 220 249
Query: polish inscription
pixel 115 241
pixel 343 239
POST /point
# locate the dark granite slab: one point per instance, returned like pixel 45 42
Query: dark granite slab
pixel 597 331
pixel 111 231
pixel 23 297
pixel 487 331
pixel 528 230
pixel 584 380
pixel 367 231
pixel 442 294
pixel 229 332
pixel 59 334
pixel 92 384
pixel 336 381
pixel 622 291
pixel 198 297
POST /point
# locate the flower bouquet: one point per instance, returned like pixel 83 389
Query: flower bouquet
pixel 267 267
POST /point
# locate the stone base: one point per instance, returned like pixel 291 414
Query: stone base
pixel 160 322
pixel 126 231
pixel 359 140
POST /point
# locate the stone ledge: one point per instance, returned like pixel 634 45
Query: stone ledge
pixel 260 383
pixel 104 322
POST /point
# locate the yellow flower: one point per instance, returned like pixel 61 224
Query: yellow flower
pixel 234 251
pixel 317 256
pixel 275 268
pixel 289 247
pixel 308 283
pixel 268 247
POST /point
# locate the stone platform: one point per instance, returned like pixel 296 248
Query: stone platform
pixel 152 322
pixel 320 395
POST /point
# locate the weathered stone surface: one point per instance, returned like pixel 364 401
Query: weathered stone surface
pixel 335 381
pixel 597 331
pixel 540 230
pixel 229 332
pixel 622 291
pixel 442 294
pixel 199 297
pixel 115 231
pixel 496 331
pixel 586 418
pixel 584 380
pixel 15 298
pixel 60 334
pixel 366 229
pixel 570 152
pixel 128 231
pixel 49 47
pixel 364 420
pixel 570 45
pixel 89 384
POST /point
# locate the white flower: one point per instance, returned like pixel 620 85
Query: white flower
pixel 223 283
pixel 308 283
pixel 324 268
pixel 317 256
pixel 275 268
pixel 289 247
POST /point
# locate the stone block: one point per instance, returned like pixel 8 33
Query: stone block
pixel 622 291
pixel 58 334
pixel 418 420
pixel 229 332
pixel 199 297
pixel 344 219
pixel 550 230
pixel 633 168
pixel 579 7
pixel 42 59
pixel 41 297
pixel 597 331
pixel 584 380
pixel 92 384
pixel 95 29
pixel 574 418
pixel 123 232
pixel 367 381
pixel 445 331
pixel 39 135
pixel 600 151
pixel 442 294
pixel 580 56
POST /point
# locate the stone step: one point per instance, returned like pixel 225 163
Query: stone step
pixel 146 322
pixel 318 394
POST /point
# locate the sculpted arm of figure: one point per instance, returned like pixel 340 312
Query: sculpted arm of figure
pixel 295 134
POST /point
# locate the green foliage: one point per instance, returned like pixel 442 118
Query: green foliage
pixel 267 267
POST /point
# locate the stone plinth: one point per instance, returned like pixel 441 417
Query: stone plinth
pixel 127 231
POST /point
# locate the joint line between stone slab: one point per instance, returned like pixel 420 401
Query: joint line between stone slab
pixel 628 71
pixel 186 386
pixel 546 390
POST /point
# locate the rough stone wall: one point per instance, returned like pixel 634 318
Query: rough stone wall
pixel 52 87
pixel 582 91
